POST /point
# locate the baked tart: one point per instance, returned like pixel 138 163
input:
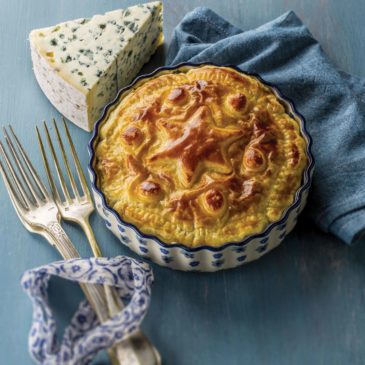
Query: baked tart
pixel 200 156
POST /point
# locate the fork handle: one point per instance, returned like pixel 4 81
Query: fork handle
pixel 93 292
pixel 125 350
pixel 85 225
pixel 65 247
pixel 63 244
pixel 113 301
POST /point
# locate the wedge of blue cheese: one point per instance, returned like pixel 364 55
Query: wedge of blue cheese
pixel 81 64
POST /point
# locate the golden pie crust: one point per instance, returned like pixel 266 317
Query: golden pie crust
pixel 200 156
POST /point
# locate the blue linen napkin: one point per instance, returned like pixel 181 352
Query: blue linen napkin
pixel 285 54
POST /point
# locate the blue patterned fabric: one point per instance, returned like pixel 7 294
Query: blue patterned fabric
pixel 85 336
pixel 285 54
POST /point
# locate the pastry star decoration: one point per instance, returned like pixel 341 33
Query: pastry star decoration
pixel 201 146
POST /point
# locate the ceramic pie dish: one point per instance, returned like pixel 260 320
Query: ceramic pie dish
pixel 200 167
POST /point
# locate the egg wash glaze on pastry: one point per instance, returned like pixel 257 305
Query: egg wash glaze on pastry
pixel 200 156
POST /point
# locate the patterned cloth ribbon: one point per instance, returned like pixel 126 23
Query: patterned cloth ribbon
pixel 85 336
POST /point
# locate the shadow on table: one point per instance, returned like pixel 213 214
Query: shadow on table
pixel 296 292
pixel 298 295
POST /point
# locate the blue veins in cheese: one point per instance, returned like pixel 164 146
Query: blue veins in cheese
pixel 81 64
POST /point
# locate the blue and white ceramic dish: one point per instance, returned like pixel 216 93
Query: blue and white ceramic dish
pixel 203 258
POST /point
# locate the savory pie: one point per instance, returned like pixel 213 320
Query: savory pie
pixel 200 156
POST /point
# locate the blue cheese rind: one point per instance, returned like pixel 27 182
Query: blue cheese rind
pixel 81 64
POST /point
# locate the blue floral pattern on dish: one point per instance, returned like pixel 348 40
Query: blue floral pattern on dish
pixel 143 249
pixel 262 248
pixel 188 255
pixel 167 259
pixel 121 228
pixel 85 336
pixel 239 249
pixel 142 241
pixel 126 240
pixel 218 263
pixel 282 235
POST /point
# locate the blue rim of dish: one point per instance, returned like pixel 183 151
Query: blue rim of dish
pixel 306 177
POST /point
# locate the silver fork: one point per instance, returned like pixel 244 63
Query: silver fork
pixel 30 197
pixel 39 213
pixel 77 207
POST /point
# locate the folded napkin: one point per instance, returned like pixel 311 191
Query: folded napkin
pixel 85 336
pixel 285 54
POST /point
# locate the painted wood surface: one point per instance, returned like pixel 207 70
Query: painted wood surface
pixel 302 304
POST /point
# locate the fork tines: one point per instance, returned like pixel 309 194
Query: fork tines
pixel 75 191
pixel 22 181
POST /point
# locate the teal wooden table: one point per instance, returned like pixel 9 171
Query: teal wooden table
pixel 302 304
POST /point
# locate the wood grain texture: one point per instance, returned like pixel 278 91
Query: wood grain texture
pixel 301 304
